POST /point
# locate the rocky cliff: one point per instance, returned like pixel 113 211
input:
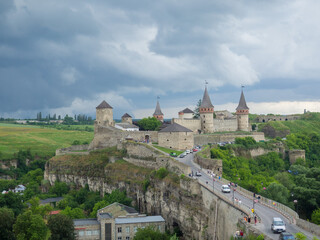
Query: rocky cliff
pixel 182 201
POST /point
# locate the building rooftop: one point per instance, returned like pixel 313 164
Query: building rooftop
pixel 206 102
pixel 242 103
pixel 103 104
pixel 51 200
pixel 83 222
pixel 117 209
pixel 139 220
pixel 126 115
pixel 158 110
pixel 187 110
pixel 105 215
pixel 175 127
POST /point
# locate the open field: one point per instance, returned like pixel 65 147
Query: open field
pixel 41 141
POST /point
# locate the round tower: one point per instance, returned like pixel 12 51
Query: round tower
pixel 243 114
pixel 206 113
pixel 104 114
pixel 157 113
pixel 126 118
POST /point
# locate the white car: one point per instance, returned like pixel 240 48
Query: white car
pixel 225 189
pixel 278 225
pixel 198 174
pixel 187 151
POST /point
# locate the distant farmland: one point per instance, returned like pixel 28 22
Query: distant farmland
pixel 41 141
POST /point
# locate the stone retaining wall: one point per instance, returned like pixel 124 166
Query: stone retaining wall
pixel 308 226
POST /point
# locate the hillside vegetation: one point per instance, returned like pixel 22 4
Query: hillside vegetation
pixel 308 124
pixel 41 141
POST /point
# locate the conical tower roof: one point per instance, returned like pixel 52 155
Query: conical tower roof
pixel 206 102
pixel 242 103
pixel 126 115
pixel 158 110
pixel 103 104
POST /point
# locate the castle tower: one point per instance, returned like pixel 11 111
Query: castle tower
pixel 126 118
pixel 206 113
pixel 104 114
pixel 243 114
pixel 157 113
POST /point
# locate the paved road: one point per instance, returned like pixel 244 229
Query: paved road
pixel 265 213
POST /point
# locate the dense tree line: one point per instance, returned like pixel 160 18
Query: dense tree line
pixel 269 175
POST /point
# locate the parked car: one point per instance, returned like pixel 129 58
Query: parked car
pixel 286 236
pixel 187 151
pixel 173 154
pixel 182 155
pixel 278 225
pixel 195 150
pixel 225 189
pixel 198 174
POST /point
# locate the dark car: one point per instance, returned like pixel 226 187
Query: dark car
pixel 286 236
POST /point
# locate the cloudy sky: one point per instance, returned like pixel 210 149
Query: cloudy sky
pixel 65 57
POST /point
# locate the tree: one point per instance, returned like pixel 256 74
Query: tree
pixel 74 213
pixel 276 192
pixel 300 236
pixel 149 233
pixel 30 227
pixel 315 217
pixel 149 124
pixel 6 224
pixel 196 110
pixel 61 227
pixel 59 188
pixel 13 201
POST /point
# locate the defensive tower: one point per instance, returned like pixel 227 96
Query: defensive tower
pixel 157 113
pixel 104 114
pixel 243 114
pixel 206 113
pixel 126 118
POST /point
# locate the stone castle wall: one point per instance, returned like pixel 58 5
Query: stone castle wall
pixel 295 154
pixel 176 140
pixel 108 136
pixel 204 139
pixel 276 118
pixel 225 125
pixel 146 156
pixel 192 124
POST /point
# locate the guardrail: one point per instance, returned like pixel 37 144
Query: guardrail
pixel 242 207
pixel 286 211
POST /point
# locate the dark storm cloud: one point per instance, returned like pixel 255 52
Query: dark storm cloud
pixel 69 55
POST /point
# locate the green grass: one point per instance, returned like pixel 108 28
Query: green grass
pixel 41 141
pixel 296 126
pixel 167 150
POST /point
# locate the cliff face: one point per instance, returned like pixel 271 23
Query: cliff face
pixel 182 201
pixel 179 202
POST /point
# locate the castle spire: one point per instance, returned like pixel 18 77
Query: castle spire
pixel 157 113
pixel 206 102
pixel 242 103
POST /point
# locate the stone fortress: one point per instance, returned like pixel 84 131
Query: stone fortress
pixel 183 133
pixel 211 121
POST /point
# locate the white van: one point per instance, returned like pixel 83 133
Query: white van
pixel 225 189
pixel 278 225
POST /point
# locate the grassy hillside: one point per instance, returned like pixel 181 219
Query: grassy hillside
pixel 42 141
pixel 309 123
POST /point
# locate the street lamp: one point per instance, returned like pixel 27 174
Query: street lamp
pixel 295 204
pixel 213 180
